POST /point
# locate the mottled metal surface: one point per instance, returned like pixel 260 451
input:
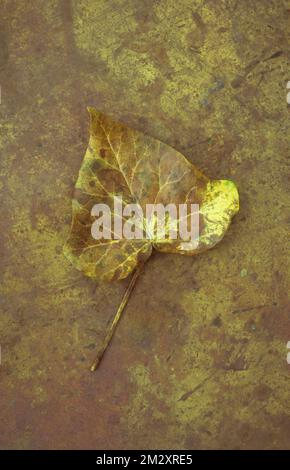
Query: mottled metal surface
pixel 199 358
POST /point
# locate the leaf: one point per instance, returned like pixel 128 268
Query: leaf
pixel 123 162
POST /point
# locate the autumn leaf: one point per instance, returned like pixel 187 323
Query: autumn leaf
pixel 121 162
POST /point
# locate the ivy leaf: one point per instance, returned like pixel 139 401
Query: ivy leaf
pixel 121 162
pixel 124 162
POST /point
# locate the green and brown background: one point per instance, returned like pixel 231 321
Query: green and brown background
pixel 199 358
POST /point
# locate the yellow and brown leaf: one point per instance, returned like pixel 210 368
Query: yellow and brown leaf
pixel 121 161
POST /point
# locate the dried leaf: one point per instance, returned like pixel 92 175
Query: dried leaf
pixel 123 162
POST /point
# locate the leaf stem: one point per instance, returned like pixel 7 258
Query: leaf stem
pixel 113 326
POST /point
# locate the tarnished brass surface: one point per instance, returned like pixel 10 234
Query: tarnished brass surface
pixel 199 359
